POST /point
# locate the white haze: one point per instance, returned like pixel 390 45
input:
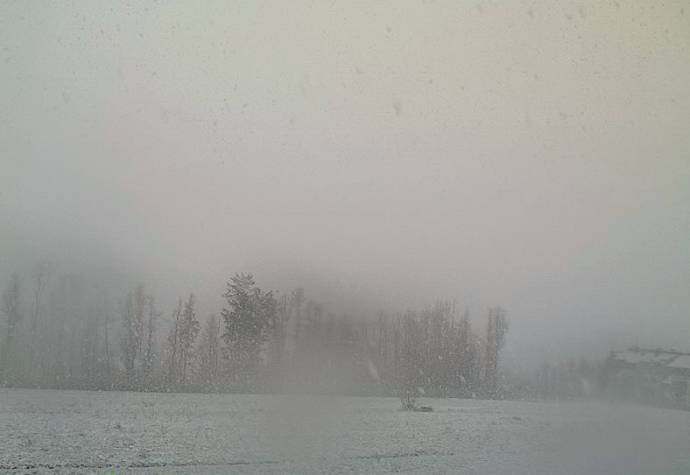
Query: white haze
pixel 533 155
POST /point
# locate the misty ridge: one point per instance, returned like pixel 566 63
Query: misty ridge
pixel 64 331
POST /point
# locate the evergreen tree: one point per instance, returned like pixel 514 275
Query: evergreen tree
pixel 248 318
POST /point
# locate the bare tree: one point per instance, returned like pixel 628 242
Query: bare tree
pixel 106 338
pixel 130 339
pixel 188 331
pixel 35 360
pixel 174 344
pixel 209 351
pixel 181 339
pixel 149 350
pixel 409 374
pixel 11 310
pixel 496 328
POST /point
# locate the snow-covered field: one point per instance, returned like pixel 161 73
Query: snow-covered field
pixel 115 432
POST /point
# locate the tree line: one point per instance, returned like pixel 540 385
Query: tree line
pixel 57 332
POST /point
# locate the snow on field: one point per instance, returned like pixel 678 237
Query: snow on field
pixel 116 432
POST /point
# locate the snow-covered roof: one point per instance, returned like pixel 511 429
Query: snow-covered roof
pixel 635 356
pixel 682 362
pixel 657 357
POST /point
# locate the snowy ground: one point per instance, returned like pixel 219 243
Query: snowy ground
pixel 115 432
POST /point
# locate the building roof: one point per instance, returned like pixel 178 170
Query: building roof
pixel 682 362
pixel 638 356
pixel 657 357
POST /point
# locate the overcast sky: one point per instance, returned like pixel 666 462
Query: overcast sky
pixel 533 155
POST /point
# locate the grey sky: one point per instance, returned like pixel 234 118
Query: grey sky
pixel 534 155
